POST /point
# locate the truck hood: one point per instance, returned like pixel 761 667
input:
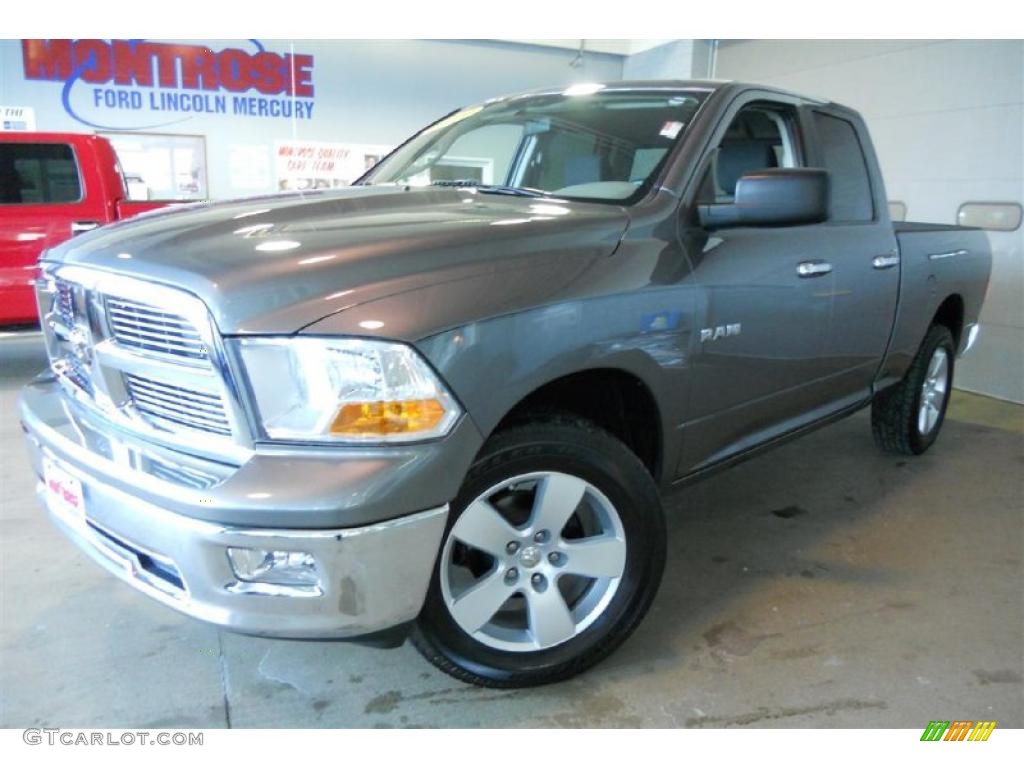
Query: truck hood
pixel 278 264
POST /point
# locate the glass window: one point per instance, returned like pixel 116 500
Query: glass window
pixel 843 158
pixel 759 137
pixel 38 173
pixel 1001 217
pixel 162 166
pixel 897 210
pixel 602 145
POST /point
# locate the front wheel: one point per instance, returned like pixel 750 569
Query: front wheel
pixel 552 555
pixel 907 418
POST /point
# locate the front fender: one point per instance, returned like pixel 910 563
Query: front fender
pixel 493 365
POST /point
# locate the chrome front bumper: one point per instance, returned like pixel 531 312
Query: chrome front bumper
pixel 372 578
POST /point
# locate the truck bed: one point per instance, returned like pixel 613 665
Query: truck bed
pixel 925 226
pixel 937 260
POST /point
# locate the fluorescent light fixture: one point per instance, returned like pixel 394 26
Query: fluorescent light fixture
pixel 272 246
pixel 253 228
pixel 582 89
pixel 318 259
pixel 246 214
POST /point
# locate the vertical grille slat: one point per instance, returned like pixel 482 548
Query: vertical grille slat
pixel 65 303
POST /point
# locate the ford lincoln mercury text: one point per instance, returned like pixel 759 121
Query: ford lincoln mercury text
pixel 52 186
pixel 442 403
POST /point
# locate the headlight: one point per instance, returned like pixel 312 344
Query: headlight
pixel 345 390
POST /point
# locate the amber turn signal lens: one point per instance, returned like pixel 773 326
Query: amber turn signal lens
pixel 387 418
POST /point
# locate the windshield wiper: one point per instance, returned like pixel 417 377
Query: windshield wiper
pixel 490 189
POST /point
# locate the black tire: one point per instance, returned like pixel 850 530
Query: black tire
pixel 588 452
pixel 894 412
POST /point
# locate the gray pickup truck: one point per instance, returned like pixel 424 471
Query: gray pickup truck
pixel 444 402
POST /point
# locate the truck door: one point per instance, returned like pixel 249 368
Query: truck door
pixel 761 319
pixel 862 253
pixel 43 202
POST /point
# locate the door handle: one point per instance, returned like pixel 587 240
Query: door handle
pixel 885 262
pixel 78 227
pixel 813 268
pixel 949 255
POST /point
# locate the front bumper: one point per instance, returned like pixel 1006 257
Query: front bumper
pixel 371 578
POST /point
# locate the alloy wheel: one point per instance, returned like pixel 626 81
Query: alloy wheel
pixel 933 391
pixel 533 561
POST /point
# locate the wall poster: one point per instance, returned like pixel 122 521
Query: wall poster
pixel 304 165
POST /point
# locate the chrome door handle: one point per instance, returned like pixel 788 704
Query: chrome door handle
pixel 885 262
pixel 813 268
pixel 78 227
pixel 948 255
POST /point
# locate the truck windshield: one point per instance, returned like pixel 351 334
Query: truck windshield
pixel 604 145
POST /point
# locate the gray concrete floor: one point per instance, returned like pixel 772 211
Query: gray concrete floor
pixel 823 584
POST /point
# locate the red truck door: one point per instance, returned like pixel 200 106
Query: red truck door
pixel 48 193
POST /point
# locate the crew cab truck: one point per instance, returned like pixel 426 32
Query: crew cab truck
pixel 52 186
pixel 444 402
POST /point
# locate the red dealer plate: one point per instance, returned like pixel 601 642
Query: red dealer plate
pixel 63 491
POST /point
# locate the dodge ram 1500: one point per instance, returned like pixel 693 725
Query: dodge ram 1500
pixel 444 402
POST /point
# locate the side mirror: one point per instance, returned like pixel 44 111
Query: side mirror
pixel 772 197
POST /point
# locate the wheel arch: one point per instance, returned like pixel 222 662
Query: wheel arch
pixel 616 399
pixel 950 313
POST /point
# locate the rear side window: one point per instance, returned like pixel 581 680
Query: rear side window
pixel 843 158
pixel 38 173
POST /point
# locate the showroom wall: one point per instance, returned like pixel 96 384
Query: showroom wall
pixel 947 119
pixel 672 60
pixel 364 93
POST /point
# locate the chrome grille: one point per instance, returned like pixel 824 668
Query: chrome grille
pixel 145 356
pixel 175 473
pixel 78 374
pixel 64 304
pixel 188 407
pixel 145 327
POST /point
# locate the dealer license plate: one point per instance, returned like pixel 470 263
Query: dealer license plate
pixel 63 491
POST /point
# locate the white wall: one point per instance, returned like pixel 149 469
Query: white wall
pixel 668 60
pixel 947 118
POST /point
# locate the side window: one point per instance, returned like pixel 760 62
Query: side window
pixel 843 158
pixel 760 136
pixel 38 173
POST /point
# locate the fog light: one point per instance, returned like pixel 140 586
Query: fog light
pixel 287 569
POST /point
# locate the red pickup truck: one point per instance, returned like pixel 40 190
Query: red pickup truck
pixel 52 186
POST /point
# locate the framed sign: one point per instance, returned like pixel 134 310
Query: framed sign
pixel 304 165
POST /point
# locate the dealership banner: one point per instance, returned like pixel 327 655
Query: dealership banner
pixel 142 85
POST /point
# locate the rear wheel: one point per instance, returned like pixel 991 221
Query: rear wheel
pixel 553 553
pixel 907 418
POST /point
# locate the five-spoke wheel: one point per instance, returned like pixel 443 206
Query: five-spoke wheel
pixel 907 417
pixel 933 391
pixel 532 561
pixel 552 555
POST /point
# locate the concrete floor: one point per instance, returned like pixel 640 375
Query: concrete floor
pixel 823 584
